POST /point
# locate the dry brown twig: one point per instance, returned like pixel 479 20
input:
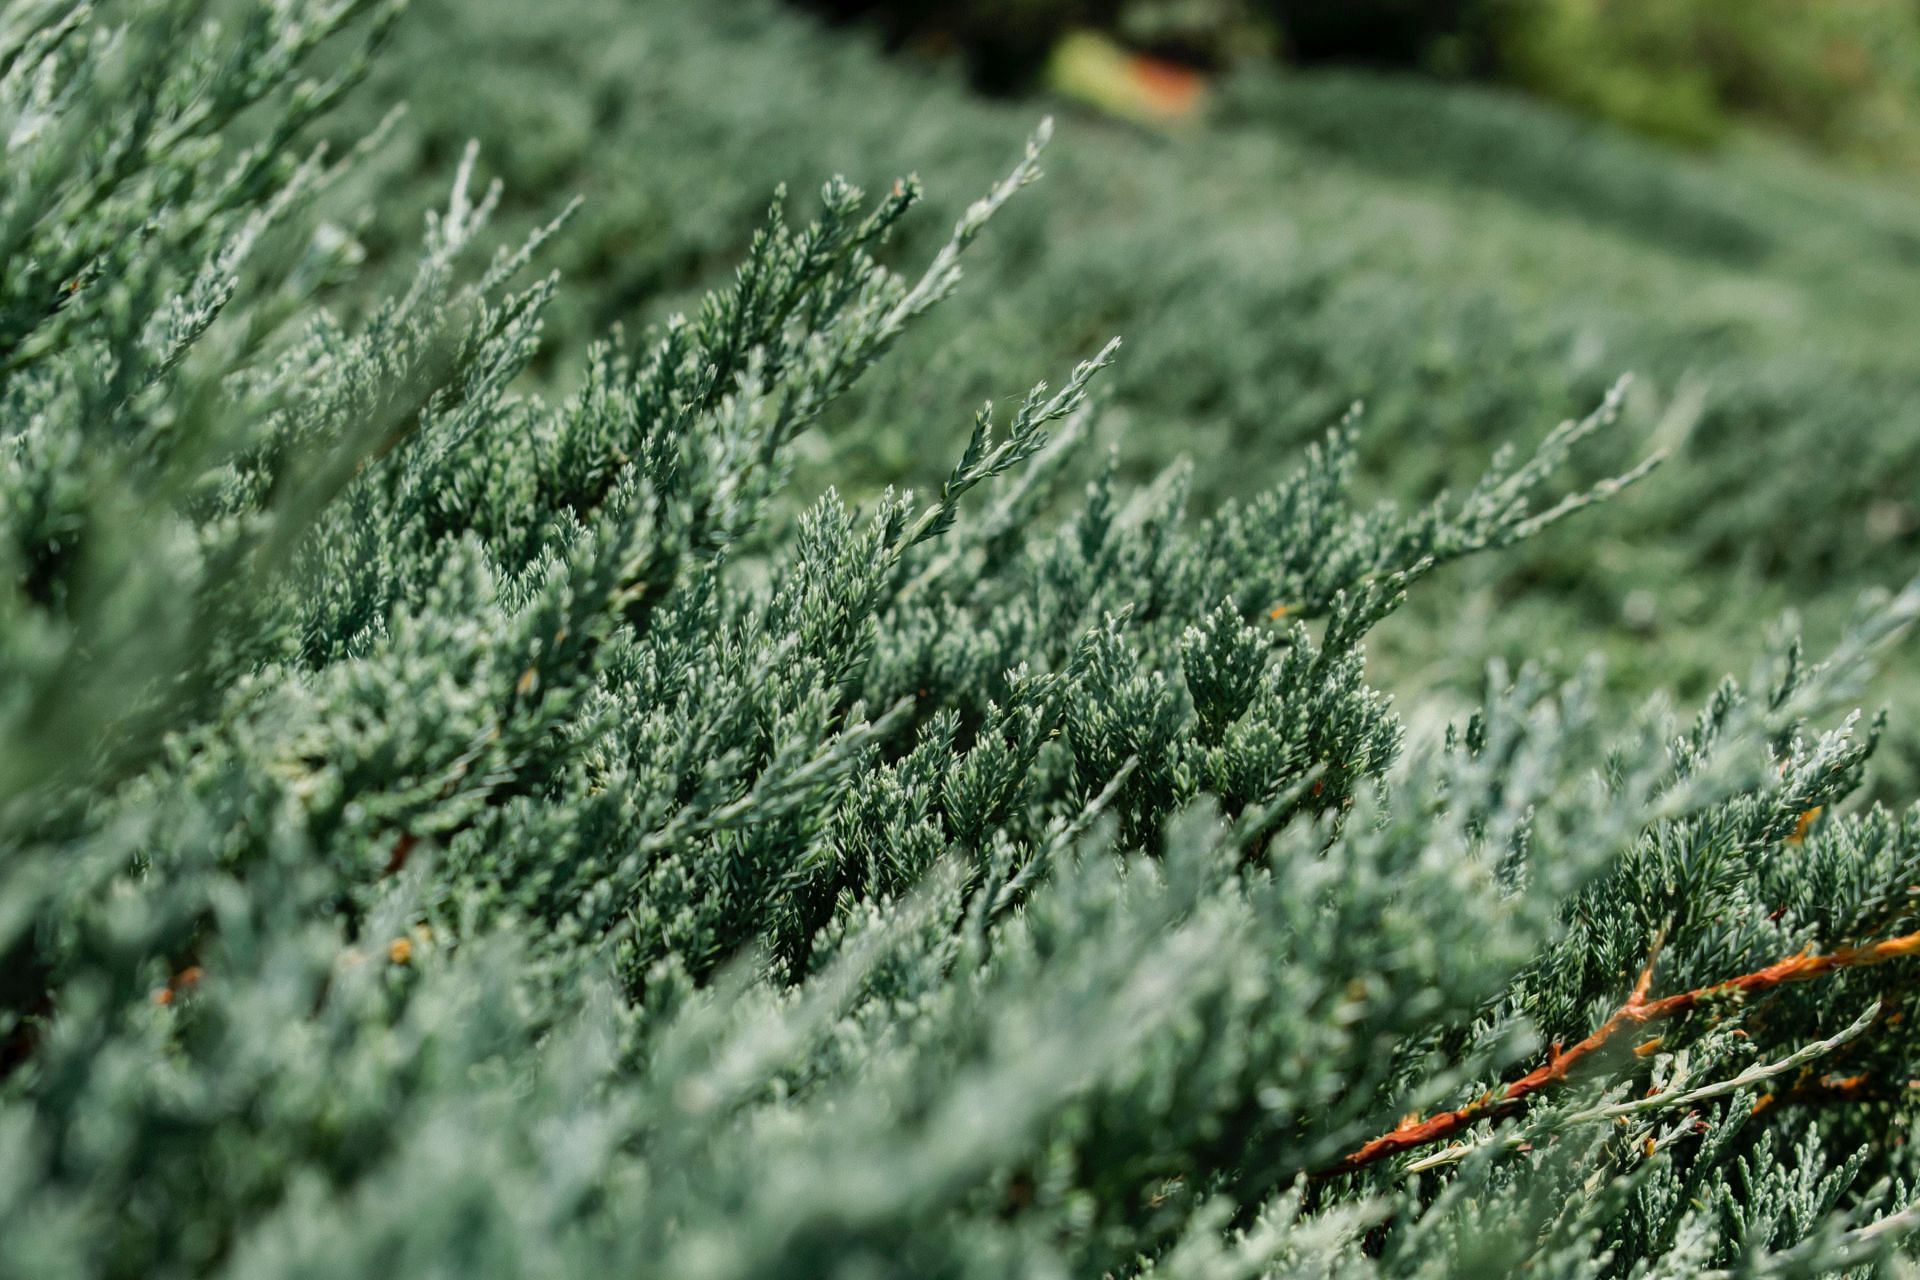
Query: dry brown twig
pixel 1412 1134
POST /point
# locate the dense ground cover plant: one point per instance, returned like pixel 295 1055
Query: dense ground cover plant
pixel 1470 264
pixel 447 830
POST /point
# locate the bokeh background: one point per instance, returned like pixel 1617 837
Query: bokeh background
pixel 1473 215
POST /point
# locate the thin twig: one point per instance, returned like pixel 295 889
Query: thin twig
pixel 1673 1099
pixel 1637 1011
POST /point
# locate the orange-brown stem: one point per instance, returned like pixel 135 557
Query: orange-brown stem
pixel 1637 1011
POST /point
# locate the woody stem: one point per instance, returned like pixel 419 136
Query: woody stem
pixel 1637 1011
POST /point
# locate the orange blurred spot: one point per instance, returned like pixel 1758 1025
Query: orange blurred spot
pixel 185 980
pixel 1172 89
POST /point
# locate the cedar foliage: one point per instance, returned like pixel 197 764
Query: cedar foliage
pixel 1473 265
pixel 448 832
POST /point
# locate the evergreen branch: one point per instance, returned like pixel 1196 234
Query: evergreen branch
pixel 944 272
pixel 1674 1099
pixel 1824 1255
pixel 1637 1011
pixel 985 458
pixel 1062 838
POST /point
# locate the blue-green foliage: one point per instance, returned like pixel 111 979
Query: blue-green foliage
pixel 1471 264
pixel 449 832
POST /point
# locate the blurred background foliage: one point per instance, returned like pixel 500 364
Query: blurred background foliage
pixel 1355 202
pixel 1843 73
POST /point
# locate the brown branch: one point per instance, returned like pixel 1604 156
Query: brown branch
pixel 1637 1011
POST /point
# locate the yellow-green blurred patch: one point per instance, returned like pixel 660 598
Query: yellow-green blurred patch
pixel 1093 69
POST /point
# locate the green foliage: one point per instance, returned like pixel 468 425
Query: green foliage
pixel 448 828
pixel 1844 74
pixel 1470 264
pixel 1841 74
